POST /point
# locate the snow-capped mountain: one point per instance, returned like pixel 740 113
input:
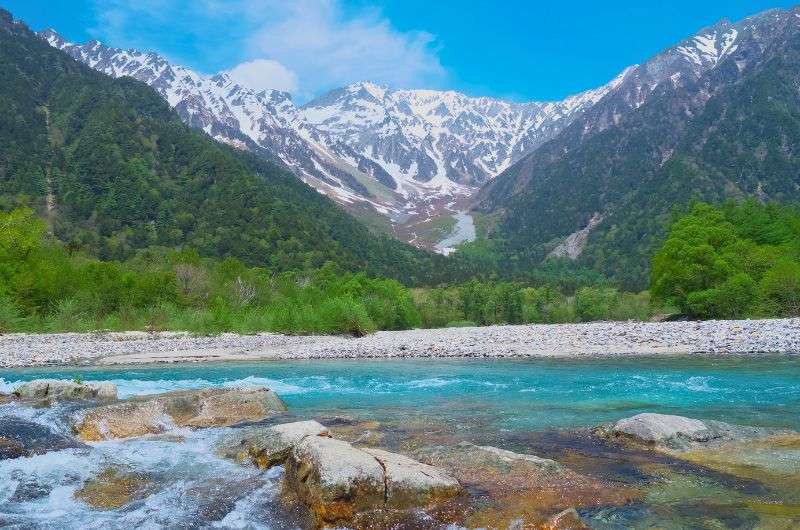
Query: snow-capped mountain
pixel 398 151
pixel 407 154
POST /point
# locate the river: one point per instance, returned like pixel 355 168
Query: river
pixel 522 405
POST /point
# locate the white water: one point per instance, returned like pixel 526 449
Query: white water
pixel 463 232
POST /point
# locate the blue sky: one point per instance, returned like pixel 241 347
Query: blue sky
pixel 514 49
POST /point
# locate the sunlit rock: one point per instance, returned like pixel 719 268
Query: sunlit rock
pixel 190 408
pixel 53 389
pixel 343 485
pixel 270 446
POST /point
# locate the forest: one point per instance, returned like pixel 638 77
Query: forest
pixel 731 261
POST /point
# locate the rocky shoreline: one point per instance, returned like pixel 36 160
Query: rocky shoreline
pixel 330 475
pixel 714 337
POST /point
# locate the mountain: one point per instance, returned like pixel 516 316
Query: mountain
pixel 114 170
pixel 715 117
pixel 407 155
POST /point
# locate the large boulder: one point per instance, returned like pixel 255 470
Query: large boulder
pixel 334 479
pixel 654 428
pixel 55 389
pixel 189 408
pixel 339 482
pixel 270 446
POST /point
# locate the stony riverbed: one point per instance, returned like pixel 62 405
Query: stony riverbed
pixel 591 339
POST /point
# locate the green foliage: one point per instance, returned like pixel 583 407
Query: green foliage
pixel 734 261
pixel 114 171
pixel 742 141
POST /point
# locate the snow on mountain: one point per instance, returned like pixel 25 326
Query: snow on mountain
pixel 407 154
pixel 398 151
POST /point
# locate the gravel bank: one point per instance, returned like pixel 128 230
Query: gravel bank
pixel 601 338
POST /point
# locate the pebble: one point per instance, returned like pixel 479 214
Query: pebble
pixel 536 340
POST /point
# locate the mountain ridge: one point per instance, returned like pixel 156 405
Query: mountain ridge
pixel 403 153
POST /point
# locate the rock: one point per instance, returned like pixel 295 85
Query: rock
pixel 519 490
pixel 342 484
pixel 19 437
pixel 566 520
pixel 54 389
pixel 412 484
pixel 678 433
pixel 654 428
pixel 334 479
pixel 190 408
pixel 114 488
pixel 270 446
pixel 11 448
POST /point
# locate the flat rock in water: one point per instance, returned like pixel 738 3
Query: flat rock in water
pixel 649 427
pixel 55 389
pixel 270 446
pixel 520 490
pixel 190 408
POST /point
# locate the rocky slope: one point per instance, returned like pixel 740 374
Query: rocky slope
pixel 715 117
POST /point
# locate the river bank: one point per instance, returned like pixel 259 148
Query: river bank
pixel 539 340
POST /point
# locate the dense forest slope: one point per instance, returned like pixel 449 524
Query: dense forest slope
pixel 114 169
pixel 722 125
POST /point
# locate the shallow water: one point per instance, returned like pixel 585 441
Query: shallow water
pixel 519 405
pixel 463 231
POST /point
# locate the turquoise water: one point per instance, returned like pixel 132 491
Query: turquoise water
pixel 529 394
pixel 534 406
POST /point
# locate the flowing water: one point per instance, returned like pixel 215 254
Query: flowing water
pixel 532 406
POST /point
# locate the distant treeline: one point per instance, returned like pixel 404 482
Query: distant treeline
pixel 733 261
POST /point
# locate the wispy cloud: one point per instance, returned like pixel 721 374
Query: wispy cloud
pixel 302 46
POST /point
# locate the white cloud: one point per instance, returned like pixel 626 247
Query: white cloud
pixel 263 74
pixel 328 49
pixel 305 46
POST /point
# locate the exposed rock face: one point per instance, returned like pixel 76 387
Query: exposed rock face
pixel 271 446
pixel 53 389
pixel 652 428
pixel 339 482
pixel 194 408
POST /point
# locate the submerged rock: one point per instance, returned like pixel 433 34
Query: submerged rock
pixel 190 408
pixel 270 446
pixel 54 389
pixel 341 483
pixel 513 490
pixel 114 488
pixel 19 437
